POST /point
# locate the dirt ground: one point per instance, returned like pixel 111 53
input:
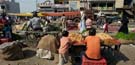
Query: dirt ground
pixel 126 56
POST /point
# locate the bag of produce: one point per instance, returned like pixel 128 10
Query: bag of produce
pixel 11 51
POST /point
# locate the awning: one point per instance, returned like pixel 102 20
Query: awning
pixel 24 14
pixel 61 13
pixel 113 13
pixel 129 12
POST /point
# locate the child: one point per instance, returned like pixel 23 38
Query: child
pixel 64 46
pixel 106 27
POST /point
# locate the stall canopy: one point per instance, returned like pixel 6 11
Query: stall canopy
pixel 23 14
pixel 61 13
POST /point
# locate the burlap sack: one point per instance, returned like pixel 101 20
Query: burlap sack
pixel 11 51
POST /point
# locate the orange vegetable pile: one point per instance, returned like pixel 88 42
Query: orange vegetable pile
pixel 76 37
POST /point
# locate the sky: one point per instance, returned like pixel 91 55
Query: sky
pixel 28 5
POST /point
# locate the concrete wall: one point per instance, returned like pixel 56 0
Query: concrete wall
pixel 11 7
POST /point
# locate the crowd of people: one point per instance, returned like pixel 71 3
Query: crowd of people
pixel 6 25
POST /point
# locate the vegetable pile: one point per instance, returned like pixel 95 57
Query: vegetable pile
pixel 126 38
pixel 76 37
pixel 107 39
pixel 130 36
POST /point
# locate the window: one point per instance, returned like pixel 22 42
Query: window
pixel 94 4
pixel 110 4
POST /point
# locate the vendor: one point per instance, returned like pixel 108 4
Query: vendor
pixel 93 45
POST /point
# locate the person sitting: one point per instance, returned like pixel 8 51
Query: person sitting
pixel 93 45
pixel 35 23
pixel 92 54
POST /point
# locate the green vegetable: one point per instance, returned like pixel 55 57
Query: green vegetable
pixel 130 36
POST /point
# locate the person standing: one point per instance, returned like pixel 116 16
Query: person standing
pixel 63 18
pixel 124 26
pixel 64 46
pixel 7 30
pixel 105 27
pixel 89 22
pixel 123 29
pixel 82 22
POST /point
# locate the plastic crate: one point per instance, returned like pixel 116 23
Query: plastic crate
pixel 86 61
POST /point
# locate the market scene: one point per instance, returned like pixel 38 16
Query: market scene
pixel 67 32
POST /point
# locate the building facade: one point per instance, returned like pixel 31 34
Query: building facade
pixel 10 6
pixel 108 6
pixel 50 6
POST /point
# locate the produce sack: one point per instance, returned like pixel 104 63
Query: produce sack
pixel 11 51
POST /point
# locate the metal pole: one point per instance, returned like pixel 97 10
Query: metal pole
pixel 36 5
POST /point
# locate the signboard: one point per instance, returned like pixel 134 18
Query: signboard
pixel 47 3
pixel 119 3
pixel 73 5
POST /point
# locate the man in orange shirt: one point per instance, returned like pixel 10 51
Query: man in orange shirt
pixel 92 45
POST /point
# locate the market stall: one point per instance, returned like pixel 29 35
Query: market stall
pixel 78 48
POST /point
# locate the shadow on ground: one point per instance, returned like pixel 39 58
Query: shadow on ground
pixel 29 53
pixel 113 57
